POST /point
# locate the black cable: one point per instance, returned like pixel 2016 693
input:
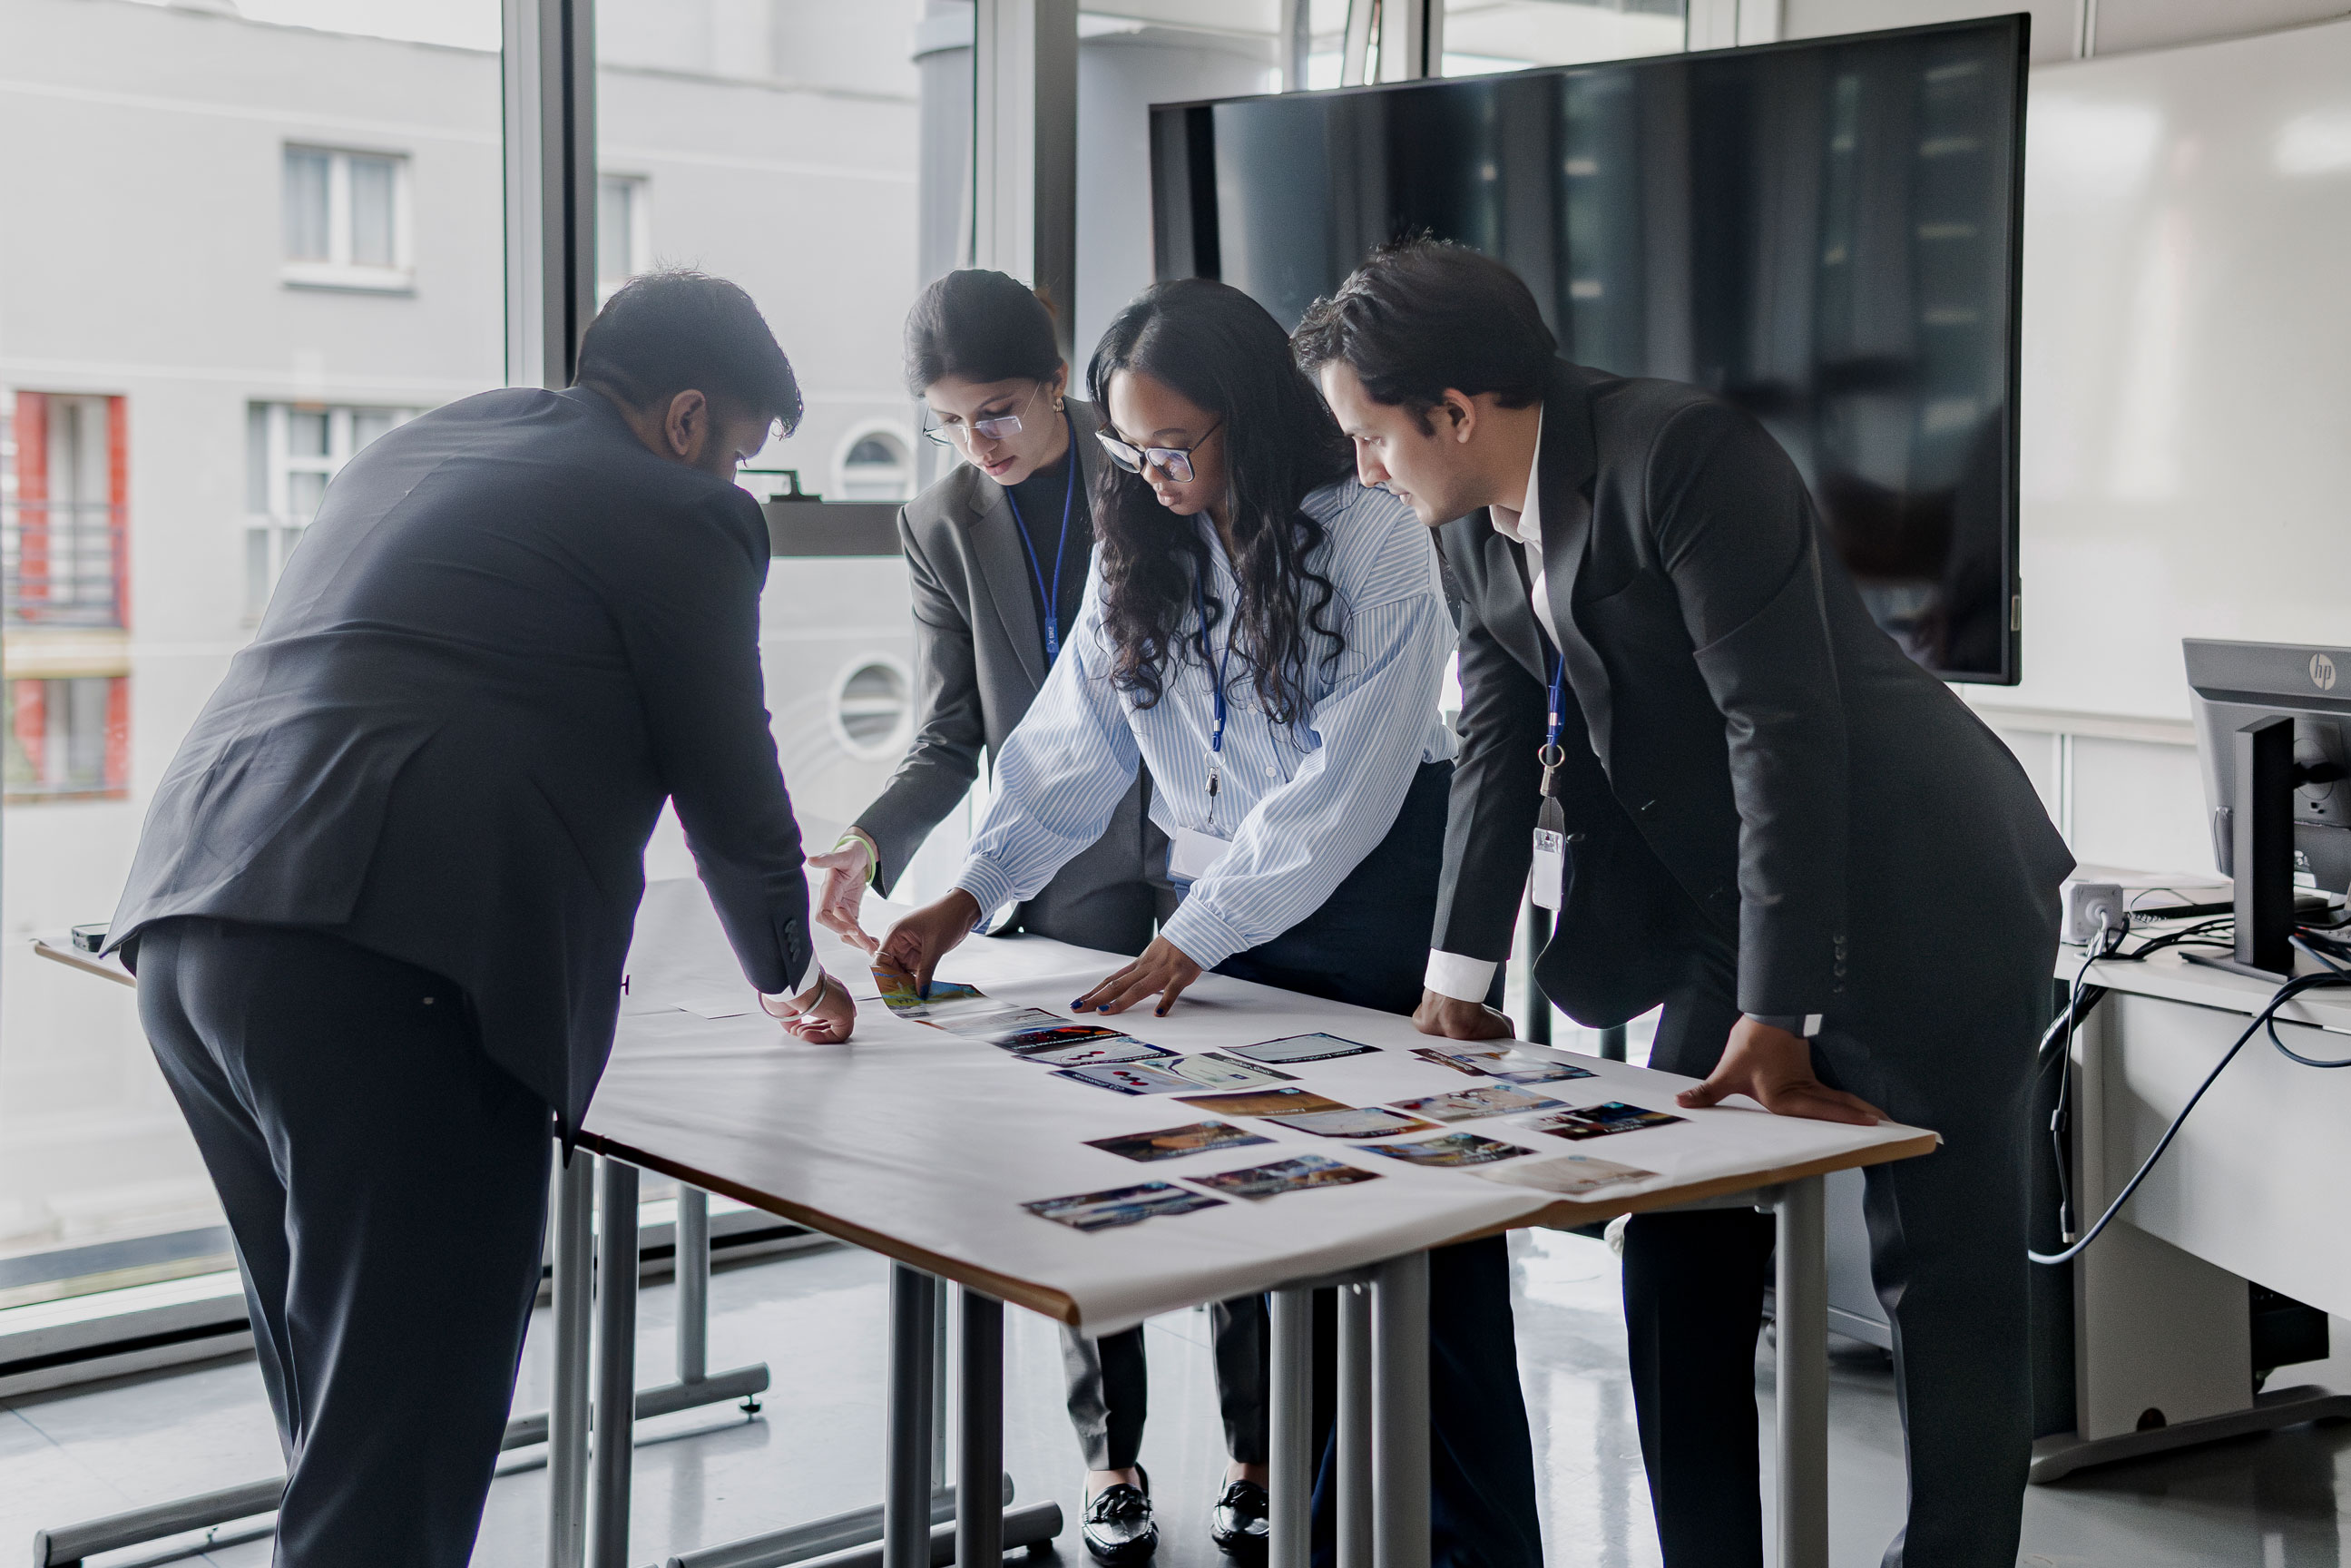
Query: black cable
pixel 2278 998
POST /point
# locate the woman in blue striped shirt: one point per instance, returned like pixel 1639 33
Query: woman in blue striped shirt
pixel 1269 639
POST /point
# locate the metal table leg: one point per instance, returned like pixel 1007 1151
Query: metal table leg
pixel 979 1517
pixel 616 1366
pixel 567 1416
pixel 906 1482
pixel 940 1361
pixel 1292 1411
pixel 1354 1476
pixel 1802 1305
pixel 1400 1413
pixel 692 1253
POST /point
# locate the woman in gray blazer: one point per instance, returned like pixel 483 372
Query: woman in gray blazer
pixel 998 554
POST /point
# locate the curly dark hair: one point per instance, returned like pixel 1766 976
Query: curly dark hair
pixel 1219 349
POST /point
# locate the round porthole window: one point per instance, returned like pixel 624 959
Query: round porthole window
pixel 873 708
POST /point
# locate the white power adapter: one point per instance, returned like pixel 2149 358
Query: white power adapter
pixel 2086 905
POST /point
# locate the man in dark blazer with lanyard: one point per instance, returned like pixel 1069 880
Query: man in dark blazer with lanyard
pixel 1745 804
pixel 384 893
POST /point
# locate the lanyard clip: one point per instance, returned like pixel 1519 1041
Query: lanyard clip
pixel 1550 754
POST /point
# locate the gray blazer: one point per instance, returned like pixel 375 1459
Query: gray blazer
pixel 980 661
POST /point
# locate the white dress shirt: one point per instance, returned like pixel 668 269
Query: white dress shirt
pixel 1302 804
pixel 1456 975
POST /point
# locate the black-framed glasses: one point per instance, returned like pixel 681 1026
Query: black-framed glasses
pixel 1003 428
pixel 1175 462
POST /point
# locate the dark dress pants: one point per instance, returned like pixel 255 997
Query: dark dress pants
pixel 386 1187
pixel 1946 1043
pixel 1368 945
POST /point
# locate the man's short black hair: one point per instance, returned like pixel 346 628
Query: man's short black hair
pixel 1422 315
pixel 668 332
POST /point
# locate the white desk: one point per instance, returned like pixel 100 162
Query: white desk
pixel 922 1146
pixel 2253 1188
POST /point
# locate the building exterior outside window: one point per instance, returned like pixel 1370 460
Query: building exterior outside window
pixel 291 452
pixel 68 738
pixel 63 510
pixel 347 220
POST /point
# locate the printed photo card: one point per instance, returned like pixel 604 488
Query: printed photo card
pixel 1175 1143
pixel 1600 1120
pixel 1304 1174
pixel 1120 1205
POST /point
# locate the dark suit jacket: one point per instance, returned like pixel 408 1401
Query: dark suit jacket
pixel 1761 771
pixel 510 635
pixel 979 655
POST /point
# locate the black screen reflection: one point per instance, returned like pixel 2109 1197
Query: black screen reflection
pixel 1825 234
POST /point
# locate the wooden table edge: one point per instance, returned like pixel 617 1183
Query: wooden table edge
pixel 86 963
pixel 1046 1302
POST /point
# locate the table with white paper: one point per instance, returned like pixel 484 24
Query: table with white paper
pixel 924 1145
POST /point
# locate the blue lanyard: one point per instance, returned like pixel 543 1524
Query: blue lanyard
pixel 1054 600
pixel 1216 676
pixel 1551 756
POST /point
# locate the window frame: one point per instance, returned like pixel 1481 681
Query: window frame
pixel 274 452
pixel 337 271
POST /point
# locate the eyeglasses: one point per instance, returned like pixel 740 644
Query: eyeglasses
pixel 1003 428
pixel 1175 462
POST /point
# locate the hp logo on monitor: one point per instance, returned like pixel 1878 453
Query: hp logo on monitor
pixel 2322 672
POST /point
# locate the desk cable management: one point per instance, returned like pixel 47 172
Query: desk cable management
pixel 2317 940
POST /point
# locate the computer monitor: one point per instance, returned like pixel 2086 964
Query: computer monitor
pixel 2274 732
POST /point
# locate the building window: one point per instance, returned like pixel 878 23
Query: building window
pixel 624 231
pixel 292 450
pixel 68 738
pixel 63 477
pixel 347 220
pixel 877 467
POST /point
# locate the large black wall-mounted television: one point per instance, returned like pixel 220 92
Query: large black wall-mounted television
pixel 1826 232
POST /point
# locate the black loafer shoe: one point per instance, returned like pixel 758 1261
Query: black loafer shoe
pixel 1237 1523
pixel 1118 1528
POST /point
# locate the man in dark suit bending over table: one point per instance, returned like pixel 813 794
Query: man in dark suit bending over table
pixel 1760 814
pixel 383 897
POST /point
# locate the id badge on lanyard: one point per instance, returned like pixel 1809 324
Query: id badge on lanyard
pixel 1549 879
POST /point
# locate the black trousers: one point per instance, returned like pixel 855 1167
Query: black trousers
pixel 1948 1046
pixel 386 1187
pixel 1110 1386
pixel 1368 945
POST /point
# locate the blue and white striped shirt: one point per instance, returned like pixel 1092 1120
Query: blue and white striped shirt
pixel 1302 804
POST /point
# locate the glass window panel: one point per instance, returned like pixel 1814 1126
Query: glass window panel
pixel 307 177
pixel 809 116
pixel 304 490
pixel 258 575
pixel 84 706
pixel 214 378
pixel 373 215
pixel 367 424
pixel 307 433
pixel 256 457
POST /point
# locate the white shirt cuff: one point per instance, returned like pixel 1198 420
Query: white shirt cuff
pixel 1462 979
